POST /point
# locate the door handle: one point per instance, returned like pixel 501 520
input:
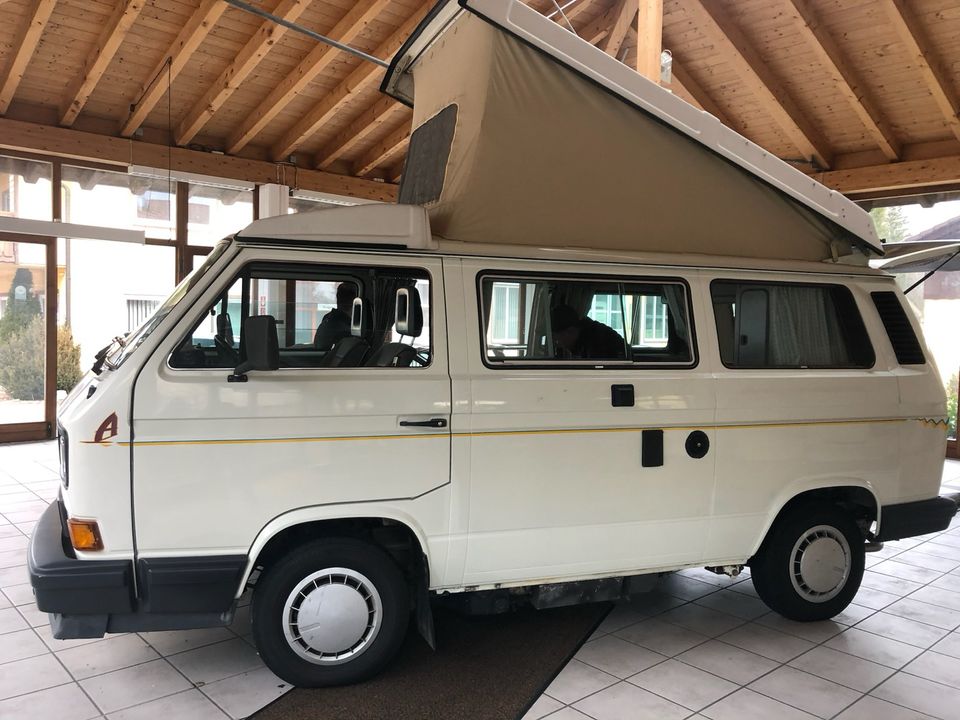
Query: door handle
pixel 432 423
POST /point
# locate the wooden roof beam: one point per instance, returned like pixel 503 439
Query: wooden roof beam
pixel 113 34
pixel 600 27
pixel 626 12
pixel 375 116
pixel 649 38
pixel 386 148
pixel 845 79
pixel 177 55
pixel 237 71
pixel 713 21
pixel 914 39
pixel 697 92
pixel 318 60
pixel 364 76
pixel 23 47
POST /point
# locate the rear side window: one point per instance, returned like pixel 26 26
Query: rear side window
pixel 906 346
pixel 559 321
pixel 789 325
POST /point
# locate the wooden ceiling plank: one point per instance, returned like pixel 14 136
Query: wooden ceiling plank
pixel 600 27
pixel 714 22
pixel 367 122
pixel 109 41
pixel 69 143
pixel 845 79
pixel 914 38
pixel 889 177
pixel 649 39
pixel 385 148
pixel 696 90
pixel 625 13
pixel 306 71
pixel 24 45
pixel 237 71
pixel 177 55
pixel 363 77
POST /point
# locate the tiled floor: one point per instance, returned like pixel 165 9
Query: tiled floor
pixel 702 643
pixel 704 646
pixel 211 674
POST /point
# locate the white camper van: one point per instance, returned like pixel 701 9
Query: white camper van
pixel 525 384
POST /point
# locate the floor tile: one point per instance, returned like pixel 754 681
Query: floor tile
pixel 134 686
pixel 26 676
pixel 906 631
pixel 727 661
pixel 871 708
pixel 664 638
pixel 11 620
pixel 946 539
pixel 925 613
pixel 46 634
pixel 177 641
pixel 625 701
pixel 107 655
pixel 906 571
pixel 874 648
pixel 804 691
pixel 568 713
pixel 654 602
pixel 853 613
pixel 622 615
pixel 244 694
pixel 888 584
pixel 815 632
pixel 713 578
pixel 875 599
pixel 701 619
pixel 939 668
pixel 65 702
pixel 685 685
pixel 19 645
pixel 766 642
pixel 950 645
pixel 838 667
pixel 931 558
pixel 14 576
pixel 938 596
pixel 922 695
pixel 617 656
pixel 542 707
pixel 189 705
pixel 684 587
pixel 576 681
pixel 33 616
pixel 735 603
pixel 19 594
pixel 948 582
pixel 744 587
pixel 748 705
pixel 216 662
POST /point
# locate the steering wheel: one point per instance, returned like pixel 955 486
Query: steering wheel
pixel 226 352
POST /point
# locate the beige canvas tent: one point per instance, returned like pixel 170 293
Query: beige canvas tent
pixel 526 134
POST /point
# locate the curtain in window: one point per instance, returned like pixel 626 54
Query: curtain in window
pixel 676 302
pixel 804 329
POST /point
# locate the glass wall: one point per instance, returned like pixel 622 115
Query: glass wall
pixel 25 187
pixel 215 212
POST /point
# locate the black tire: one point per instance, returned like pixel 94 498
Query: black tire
pixel 778 568
pixel 360 560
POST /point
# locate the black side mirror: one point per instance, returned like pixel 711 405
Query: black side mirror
pixel 260 345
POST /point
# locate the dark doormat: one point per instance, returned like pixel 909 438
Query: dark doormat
pixel 484 667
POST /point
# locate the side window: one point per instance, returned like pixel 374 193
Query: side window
pixel 334 316
pixel 546 320
pixel 789 325
pixel 904 340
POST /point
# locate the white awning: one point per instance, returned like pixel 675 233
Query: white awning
pixel 920 257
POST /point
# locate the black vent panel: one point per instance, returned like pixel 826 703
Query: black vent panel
pixel 899 330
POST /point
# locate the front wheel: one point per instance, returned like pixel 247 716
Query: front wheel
pixel 332 612
pixel 811 563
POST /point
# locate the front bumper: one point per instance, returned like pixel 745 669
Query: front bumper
pixel 916 518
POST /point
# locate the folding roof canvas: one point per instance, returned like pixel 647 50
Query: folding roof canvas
pixel 526 134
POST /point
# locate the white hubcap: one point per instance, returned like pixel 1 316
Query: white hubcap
pixel 332 616
pixel 820 563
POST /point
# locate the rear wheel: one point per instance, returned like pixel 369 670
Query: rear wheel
pixel 811 563
pixel 332 612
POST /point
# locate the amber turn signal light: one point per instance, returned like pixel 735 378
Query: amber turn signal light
pixel 85 534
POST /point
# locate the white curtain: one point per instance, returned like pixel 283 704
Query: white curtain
pixel 804 329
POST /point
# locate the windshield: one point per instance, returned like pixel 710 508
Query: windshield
pixel 122 348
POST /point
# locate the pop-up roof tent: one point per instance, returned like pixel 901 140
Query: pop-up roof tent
pixel 526 134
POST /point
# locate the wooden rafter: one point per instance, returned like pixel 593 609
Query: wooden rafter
pixel 703 99
pixel 120 22
pixel 845 79
pixel 23 46
pixel 649 38
pixel 386 148
pixel 173 61
pixel 364 76
pixel 375 116
pixel 596 30
pixel 713 21
pixel 571 12
pixel 237 71
pixel 913 37
pixel 626 11
pixel 915 175
pixel 310 67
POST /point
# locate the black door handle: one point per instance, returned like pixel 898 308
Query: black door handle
pixel 432 422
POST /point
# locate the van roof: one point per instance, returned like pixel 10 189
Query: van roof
pixel 522 130
pixel 383 227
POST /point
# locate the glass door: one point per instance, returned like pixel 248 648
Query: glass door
pixel 28 337
pixel 953 403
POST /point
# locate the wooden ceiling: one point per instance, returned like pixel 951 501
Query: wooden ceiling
pixel 863 94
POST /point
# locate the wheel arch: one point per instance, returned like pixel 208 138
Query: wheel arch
pixel 857 495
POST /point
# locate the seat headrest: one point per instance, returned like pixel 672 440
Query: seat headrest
pixel 360 318
pixel 409 312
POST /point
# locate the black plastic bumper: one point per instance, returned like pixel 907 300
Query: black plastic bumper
pixel 64 584
pixel 916 518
